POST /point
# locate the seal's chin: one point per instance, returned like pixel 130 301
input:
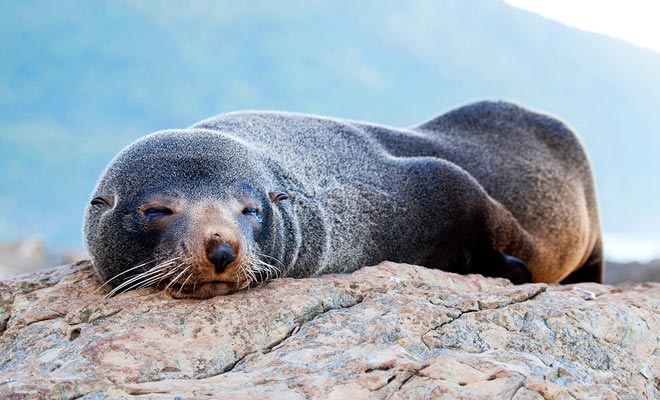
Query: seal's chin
pixel 204 290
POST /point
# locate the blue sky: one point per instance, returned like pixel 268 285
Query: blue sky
pixel 82 80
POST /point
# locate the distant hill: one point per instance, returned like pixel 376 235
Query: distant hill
pixel 632 272
pixel 80 80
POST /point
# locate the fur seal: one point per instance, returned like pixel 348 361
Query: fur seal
pixel 240 198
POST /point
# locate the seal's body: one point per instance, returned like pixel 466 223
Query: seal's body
pixel 488 188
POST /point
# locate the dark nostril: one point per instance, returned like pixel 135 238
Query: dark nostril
pixel 221 256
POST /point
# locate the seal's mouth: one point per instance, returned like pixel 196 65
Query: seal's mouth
pixel 181 278
pixel 203 290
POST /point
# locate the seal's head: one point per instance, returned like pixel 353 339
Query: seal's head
pixel 195 211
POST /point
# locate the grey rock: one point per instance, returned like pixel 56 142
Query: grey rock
pixel 390 331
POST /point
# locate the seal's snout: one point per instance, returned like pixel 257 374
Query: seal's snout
pixel 221 256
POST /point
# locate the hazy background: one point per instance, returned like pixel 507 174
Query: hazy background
pixel 80 80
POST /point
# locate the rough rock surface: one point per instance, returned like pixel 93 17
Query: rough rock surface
pixel 390 331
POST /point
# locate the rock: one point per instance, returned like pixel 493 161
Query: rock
pixel 27 255
pixel 390 331
pixel 31 255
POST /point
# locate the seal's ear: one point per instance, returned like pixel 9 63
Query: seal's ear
pixel 108 200
pixel 277 196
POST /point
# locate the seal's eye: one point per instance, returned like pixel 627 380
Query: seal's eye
pixel 252 212
pixel 277 196
pixel 154 212
pixel 103 200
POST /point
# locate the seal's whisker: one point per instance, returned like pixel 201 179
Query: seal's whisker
pixel 250 271
pixel 129 282
pixel 173 270
pixel 151 277
pixel 270 270
pixel 150 281
pixel 186 281
pixel 138 277
pixel 265 264
pixel 165 272
pixel 261 268
pixel 277 260
pixel 127 285
pixel 237 276
pixel 244 274
pixel 124 272
pixel 248 275
pixel 152 271
pixel 173 281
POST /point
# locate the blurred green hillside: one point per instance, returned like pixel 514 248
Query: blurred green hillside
pixel 79 80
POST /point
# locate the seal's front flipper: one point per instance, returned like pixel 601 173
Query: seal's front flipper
pixel 496 264
pixel 513 269
pixel 504 237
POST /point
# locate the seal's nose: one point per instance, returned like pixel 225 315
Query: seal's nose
pixel 221 256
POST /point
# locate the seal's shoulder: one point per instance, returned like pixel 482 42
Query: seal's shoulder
pixel 280 130
pixel 253 118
